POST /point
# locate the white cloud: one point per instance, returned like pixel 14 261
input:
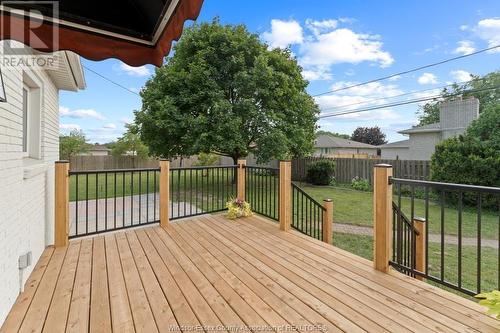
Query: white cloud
pixel 283 33
pixel 343 46
pixel 323 44
pixel 465 47
pixel 395 78
pixel 460 75
pixel 318 27
pixel 427 78
pixel 464 27
pixel 358 98
pixel 133 71
pixel 80 113
pixel 316 74
pixel 69 127
pixel 489 30
pixel 109 126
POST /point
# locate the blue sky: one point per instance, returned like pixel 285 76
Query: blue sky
pixel 338 43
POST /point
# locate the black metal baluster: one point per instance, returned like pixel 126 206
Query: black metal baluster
pixel 140 196
pixel 459 250
pixel 442 234
pixel 123 199
pixel 106 201
pixel 147 196
pixel 115 195
pixel 155 174
pixel 190 191
pixel 132 198
pixel 77 203
pixel 87 203
pixel 96 201
pixel 426 231
pixel 412 232
pixel 479 211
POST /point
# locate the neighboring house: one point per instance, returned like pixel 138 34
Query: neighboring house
pixel 97 150
pixel 327 145
pixel 455 116
pixel 29 146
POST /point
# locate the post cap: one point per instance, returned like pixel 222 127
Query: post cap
pixel 382 165
pixel 62 161
pixel 327 200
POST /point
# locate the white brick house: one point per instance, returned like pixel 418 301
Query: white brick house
pixel 29 145
pixel 455 116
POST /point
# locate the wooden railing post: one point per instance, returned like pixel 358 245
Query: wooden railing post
pixel 61 228
pixel 285 195
pixel 164 192
pixel 420 249
pixel 240 178
pixel 328 221
pixel 382 217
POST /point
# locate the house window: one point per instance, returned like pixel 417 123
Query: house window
pixel 31 112
pixel 25 118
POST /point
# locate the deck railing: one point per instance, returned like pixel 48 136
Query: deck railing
pixel 262 190
pixel 307 213
pixel 98 201
pixel 101 201
pixel 458 218
pixel 448 234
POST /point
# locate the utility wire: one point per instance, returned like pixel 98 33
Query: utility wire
pixel 416 100
pixel 408 71
pixel 109 80
pixel 401 95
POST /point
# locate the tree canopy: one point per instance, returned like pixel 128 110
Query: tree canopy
pixel 72 144
pixel 225 91
pixel 369 135
pixel 429 112
pixel 334 134
pixel 129 143
pixel 472 158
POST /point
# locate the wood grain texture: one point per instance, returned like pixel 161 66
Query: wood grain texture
pixel 209 273
pixel 382 217
pixel 164 192
pixel 285 195
pixel 328 221
pixel 241 179
pixel 61 228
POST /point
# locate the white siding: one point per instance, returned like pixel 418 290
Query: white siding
pixel 423 145
pixel 26 185
pixel 395 153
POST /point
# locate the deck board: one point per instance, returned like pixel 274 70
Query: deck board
pixel 209 271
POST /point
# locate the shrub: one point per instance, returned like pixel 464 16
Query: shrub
pixel 492 301
pixel 320 172
pixel 360 184
pixel 238 208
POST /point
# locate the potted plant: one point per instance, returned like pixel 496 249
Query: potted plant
pixel 238 208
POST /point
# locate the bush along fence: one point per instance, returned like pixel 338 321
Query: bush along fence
pixel 454 258
pixel 348 168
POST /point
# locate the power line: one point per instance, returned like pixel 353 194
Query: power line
pixel 409 71
pixel 401 95
pixel 109 80
pixel 417 100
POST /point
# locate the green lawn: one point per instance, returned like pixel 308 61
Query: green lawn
pixel 363 246
pixel 355 207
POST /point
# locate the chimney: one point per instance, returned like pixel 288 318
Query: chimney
pixel 456 115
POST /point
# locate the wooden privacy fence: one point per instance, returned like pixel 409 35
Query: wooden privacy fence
pixel 348 168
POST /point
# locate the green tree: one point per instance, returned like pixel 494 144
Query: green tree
pixel 130 143
pixel 472 158
pixel 334 134
pixel 72 144
pixel 369 135
pixel 224 91
pixel 429 112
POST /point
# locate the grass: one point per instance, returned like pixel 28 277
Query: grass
pixel 363 246
pixel 356 207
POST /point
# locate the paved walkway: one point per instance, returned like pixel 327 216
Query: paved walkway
pixel 433 238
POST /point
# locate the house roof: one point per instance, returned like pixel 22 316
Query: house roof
pixel 138 32
pixel 435 127
pixel 397 144
pixel 68 74
pixel 328 141
pixel 99 147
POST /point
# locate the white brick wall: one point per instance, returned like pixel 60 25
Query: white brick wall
pixel 423 145
pixel 26 192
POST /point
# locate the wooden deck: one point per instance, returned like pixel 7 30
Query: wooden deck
pixel 209 273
